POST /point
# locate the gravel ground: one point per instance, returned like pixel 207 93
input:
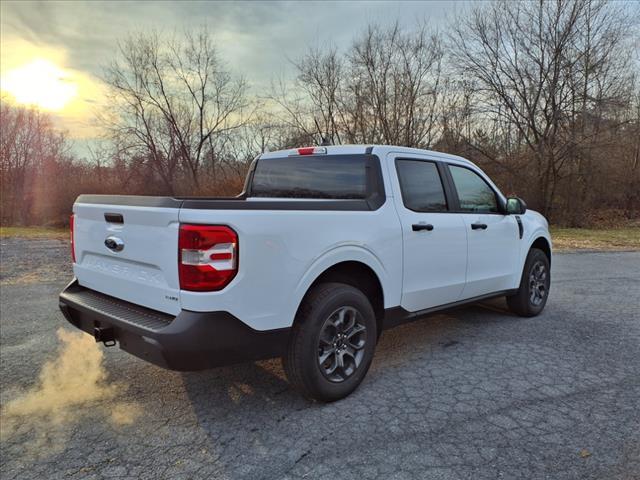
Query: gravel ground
pixel 474 393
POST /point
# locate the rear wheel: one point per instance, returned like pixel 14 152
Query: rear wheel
pixel 332 342
pixel 533 292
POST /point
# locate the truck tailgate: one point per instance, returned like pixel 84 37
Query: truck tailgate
pixel 130 253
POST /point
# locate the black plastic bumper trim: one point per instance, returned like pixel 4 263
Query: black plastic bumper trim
pixel 188 342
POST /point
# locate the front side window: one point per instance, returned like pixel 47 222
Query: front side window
pixel 330 177
pixel 421 186
pixel 474 193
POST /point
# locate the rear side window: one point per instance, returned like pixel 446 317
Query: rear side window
pixel 332 177
pixel 421 186
pixel 474 193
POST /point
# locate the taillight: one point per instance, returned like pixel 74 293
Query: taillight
pixel 71 229
pixel 207 257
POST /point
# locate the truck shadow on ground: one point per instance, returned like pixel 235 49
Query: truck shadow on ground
pixel 245 408
pixel 230 387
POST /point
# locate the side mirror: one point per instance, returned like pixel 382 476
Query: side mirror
pixel 516 206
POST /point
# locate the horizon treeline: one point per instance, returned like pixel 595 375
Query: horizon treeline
pixel 544 96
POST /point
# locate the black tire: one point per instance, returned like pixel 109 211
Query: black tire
pixel 533 292
pixel 315 335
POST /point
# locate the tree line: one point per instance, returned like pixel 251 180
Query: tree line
pixel 543 95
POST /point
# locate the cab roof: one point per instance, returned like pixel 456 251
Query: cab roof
pixel 380 150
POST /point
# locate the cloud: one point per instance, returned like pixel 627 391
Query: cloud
pixel 255 39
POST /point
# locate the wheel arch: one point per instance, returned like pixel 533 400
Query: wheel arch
pixel 543 244
pixel 357 273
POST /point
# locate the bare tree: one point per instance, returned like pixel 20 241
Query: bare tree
pixel 171 100
pixel 545 68
pixel 384 89
pixel 396 83
pixel 28 143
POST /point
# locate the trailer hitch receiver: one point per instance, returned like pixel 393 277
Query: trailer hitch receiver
pixel 105 335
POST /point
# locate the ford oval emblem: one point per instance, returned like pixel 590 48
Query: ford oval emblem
pixel 114 244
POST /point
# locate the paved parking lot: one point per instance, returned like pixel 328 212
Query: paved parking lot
pixel 472 394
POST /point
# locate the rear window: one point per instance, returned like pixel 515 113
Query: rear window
pixel 334 177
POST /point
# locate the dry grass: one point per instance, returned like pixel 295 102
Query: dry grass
pixel 34 232
pixel 596 239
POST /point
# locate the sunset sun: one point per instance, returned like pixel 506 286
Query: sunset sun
pixel 40 83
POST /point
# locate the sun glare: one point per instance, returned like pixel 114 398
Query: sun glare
pixel 40 83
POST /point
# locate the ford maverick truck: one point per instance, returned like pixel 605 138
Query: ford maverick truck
pixel 325 248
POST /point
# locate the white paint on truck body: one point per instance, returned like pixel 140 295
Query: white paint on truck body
pixel 145 272
pixel 282 252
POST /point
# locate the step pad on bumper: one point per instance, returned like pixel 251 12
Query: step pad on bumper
pixel 118 309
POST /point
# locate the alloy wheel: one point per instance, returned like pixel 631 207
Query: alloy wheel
pixel 537 283
pixel 341 344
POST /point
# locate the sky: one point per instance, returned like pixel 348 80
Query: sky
pixel 52 54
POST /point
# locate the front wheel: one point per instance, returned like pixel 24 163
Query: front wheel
pixel 534 285
pixel 332 342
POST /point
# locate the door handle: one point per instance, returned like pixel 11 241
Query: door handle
pixel 416 227
pixel 478 226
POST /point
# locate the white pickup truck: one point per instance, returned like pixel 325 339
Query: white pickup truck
pixel 325 248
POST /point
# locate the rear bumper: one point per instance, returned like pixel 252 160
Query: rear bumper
pixel 189 341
